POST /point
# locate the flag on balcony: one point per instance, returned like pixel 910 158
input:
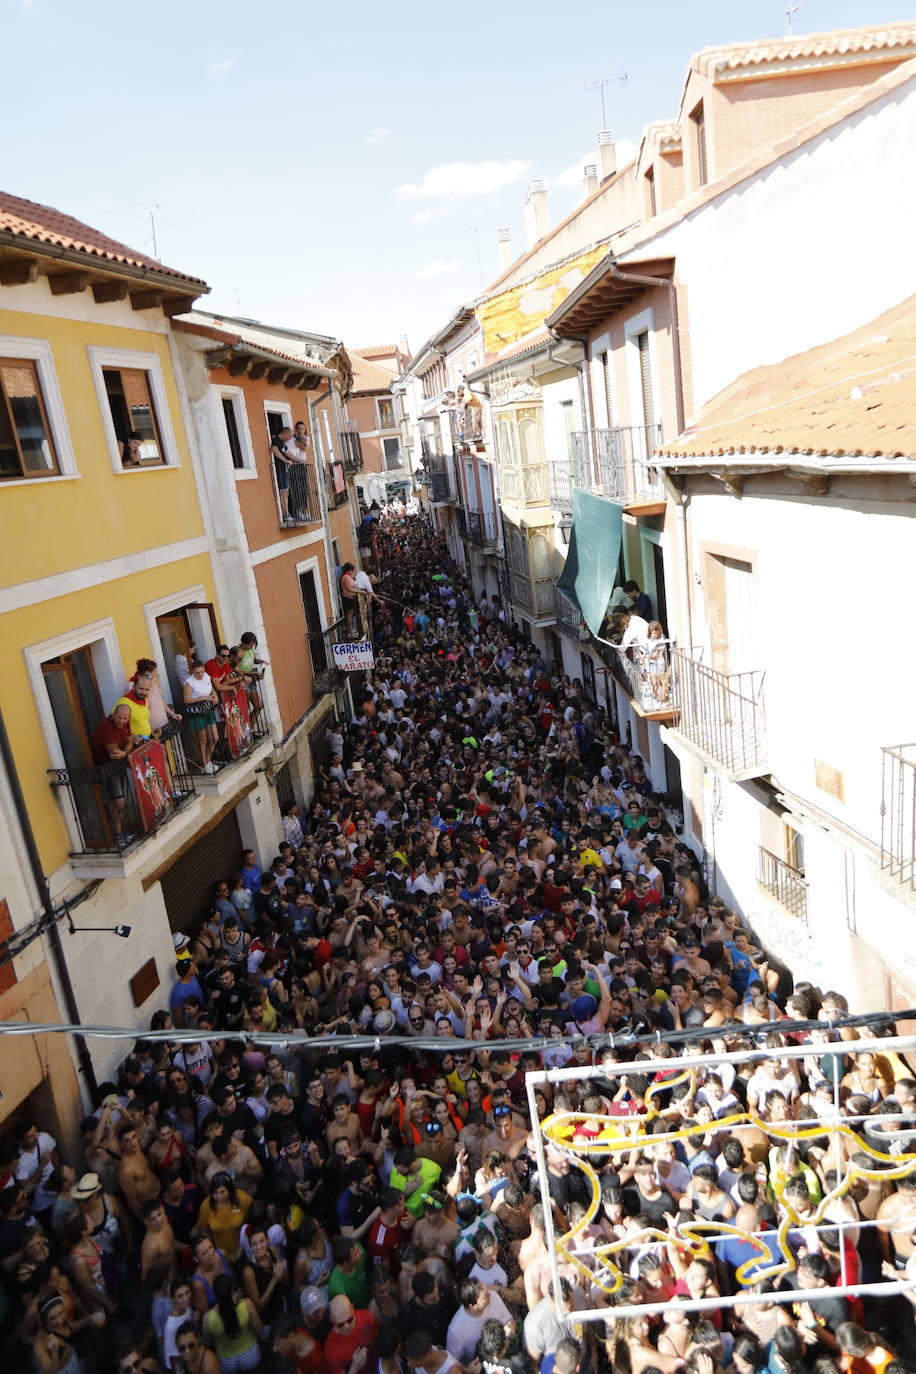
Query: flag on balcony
pixel 151 782
pixel 594 551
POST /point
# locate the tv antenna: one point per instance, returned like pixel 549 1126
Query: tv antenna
pixel 475 230
pixel 599 86
pixel 791 11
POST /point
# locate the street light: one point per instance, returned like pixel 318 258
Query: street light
pixel 565 527
pixel 123 931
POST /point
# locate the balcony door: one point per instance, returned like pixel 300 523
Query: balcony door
pixel 739 616
pixel 320 653
pixel 193 624
pixel 75 702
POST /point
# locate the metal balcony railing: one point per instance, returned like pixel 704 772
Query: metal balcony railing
pixel 430 450
pixel 617 463
pixel 240 720
pixel 326 676
pixel 335 485
pixel 721 713
pixel 461 520
pixel 114 808
pixel 560 485
pixel 483 530
pixel 299 504
pixel 466 424
pixel 783 882
pixel 569 618
pixel 351 447
pixel 898 812
pixel 643 671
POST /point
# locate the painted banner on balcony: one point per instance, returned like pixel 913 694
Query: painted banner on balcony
pixel 237 716
pixel 353 658
pixel 152 784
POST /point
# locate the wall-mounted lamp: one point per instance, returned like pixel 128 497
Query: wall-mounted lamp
pixel 123 931
pixel 565 527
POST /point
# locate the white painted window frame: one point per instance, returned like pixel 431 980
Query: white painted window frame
pixel 643 323
pixel 110 675
pixel 168 605
pixel 277 408
pixel 236 395
pixel 38 351
pixel 151 364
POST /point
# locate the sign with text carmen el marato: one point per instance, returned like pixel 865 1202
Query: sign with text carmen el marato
pixel 353 658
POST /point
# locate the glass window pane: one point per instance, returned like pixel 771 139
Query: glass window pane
pixel 20 383
pixel 142 415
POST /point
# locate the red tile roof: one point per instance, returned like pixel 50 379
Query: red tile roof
pixel 852 397
pixel 369 376
pixel 378 351
pixel 37 224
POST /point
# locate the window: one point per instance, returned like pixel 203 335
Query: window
pixel 650 193
pixel 130 402
pixel 569 425
pixel 645 378
pixel 232 433
pixel 392 449
pixel 699 131
pixel 384 408
pixel 132 399
pixel 26 448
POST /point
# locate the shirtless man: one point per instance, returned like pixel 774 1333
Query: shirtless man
pixel 159 1241
pixel 136 1179
pixel 505 1135
pixel 896 1217
pixel 345 1125
pixel 436 1233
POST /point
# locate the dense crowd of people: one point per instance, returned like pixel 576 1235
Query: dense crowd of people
pixel 483 863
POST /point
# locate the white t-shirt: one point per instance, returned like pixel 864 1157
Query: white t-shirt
pixel 363 582
pixel 28 1163
pixel 201 687
pixel 464 1329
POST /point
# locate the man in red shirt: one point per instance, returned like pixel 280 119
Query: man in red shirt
pixel 112 740
pixel 350 1347
pixel 222 674
pixel 389 1231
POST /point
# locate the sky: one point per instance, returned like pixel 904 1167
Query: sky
pixel 343 168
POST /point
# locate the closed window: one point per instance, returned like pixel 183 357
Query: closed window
pixel 699 132
pixel 232 433
pixel 392 448
pixel 133 413
pixel 26 446
pixel 385 410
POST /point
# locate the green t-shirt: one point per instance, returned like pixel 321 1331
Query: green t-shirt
pixel 355 1286
pixel 429 1177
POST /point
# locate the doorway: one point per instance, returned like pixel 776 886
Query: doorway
pixel 308 588
pixel 76 703
pixel 661 602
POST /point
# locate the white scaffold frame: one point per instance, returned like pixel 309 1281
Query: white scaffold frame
pixel 560 1250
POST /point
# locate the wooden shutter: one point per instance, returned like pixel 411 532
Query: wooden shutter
pixel 188 885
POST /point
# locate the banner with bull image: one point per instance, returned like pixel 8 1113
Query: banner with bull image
pixel 152 784
pixel 237 717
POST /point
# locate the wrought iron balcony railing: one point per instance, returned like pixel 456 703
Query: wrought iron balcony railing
pixel 569 618
pixel 335 485
pixel 299 503
pixel 239 720
pixel 643 671
pixel 352 449
pixel 483 530
pixel 113 809
pixel 326 676
pixel 560 483
pixel 461 520
pixel 898 813
pixel 617 463
pixel 783 882
pixel 721 714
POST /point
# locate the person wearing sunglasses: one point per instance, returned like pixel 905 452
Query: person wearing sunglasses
pixel 194 1355
pixel 128 1360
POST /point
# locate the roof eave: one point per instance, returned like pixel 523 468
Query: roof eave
pixel 96 262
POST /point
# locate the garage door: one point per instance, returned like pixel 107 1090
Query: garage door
pixel 188 885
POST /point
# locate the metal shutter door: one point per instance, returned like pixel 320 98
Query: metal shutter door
pixel 187 887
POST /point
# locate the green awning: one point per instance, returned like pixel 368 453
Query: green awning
pixel 594 551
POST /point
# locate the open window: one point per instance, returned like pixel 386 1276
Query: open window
pixel 135 409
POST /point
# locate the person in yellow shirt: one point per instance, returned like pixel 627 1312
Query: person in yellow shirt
pixel 137 700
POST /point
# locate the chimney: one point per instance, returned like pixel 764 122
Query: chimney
pixel 607 154
pixel 537 215
pixel 590 173
pixel 505 248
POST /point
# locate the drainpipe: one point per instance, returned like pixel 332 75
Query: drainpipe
pixel 47 906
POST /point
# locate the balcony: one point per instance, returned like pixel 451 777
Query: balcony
pixel 560 485
pixel 326 676
pixel 569 618
pixel 617 463
pixel 461 520
pixel 783 882
pixel 241 723
pixel 352 449
pixel 441 482
pixel 644 673
pixel 113 809
pixel 534 595
pixel 483 530
pixel 466 424
pixel 720 715
pixel 898 813
pixel 335 485
pixel 302 503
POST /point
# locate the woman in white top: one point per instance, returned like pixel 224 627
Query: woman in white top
pixel 200 704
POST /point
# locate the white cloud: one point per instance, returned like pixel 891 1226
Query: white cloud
pixel 453 180
pixel 439 267
pixel 377 135
pixel 573 174
pixel 424 216
pixel 225 64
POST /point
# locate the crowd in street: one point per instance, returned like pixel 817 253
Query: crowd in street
pixel 486 863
